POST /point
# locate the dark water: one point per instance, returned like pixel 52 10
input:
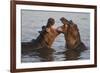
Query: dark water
pixel 32 21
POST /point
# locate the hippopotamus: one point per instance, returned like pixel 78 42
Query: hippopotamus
pixel 72 36
pixel 46 37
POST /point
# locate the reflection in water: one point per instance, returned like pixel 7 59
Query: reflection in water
pixel 45 54
pixel 49 54
pixel 39 55
pixel 72 54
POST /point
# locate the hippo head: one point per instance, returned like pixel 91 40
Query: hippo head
pixel 72 35
pixel 68 25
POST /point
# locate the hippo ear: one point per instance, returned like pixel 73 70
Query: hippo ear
pixel 47 30
pixel 71 22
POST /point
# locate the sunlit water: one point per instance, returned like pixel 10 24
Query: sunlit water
pixel 32 21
